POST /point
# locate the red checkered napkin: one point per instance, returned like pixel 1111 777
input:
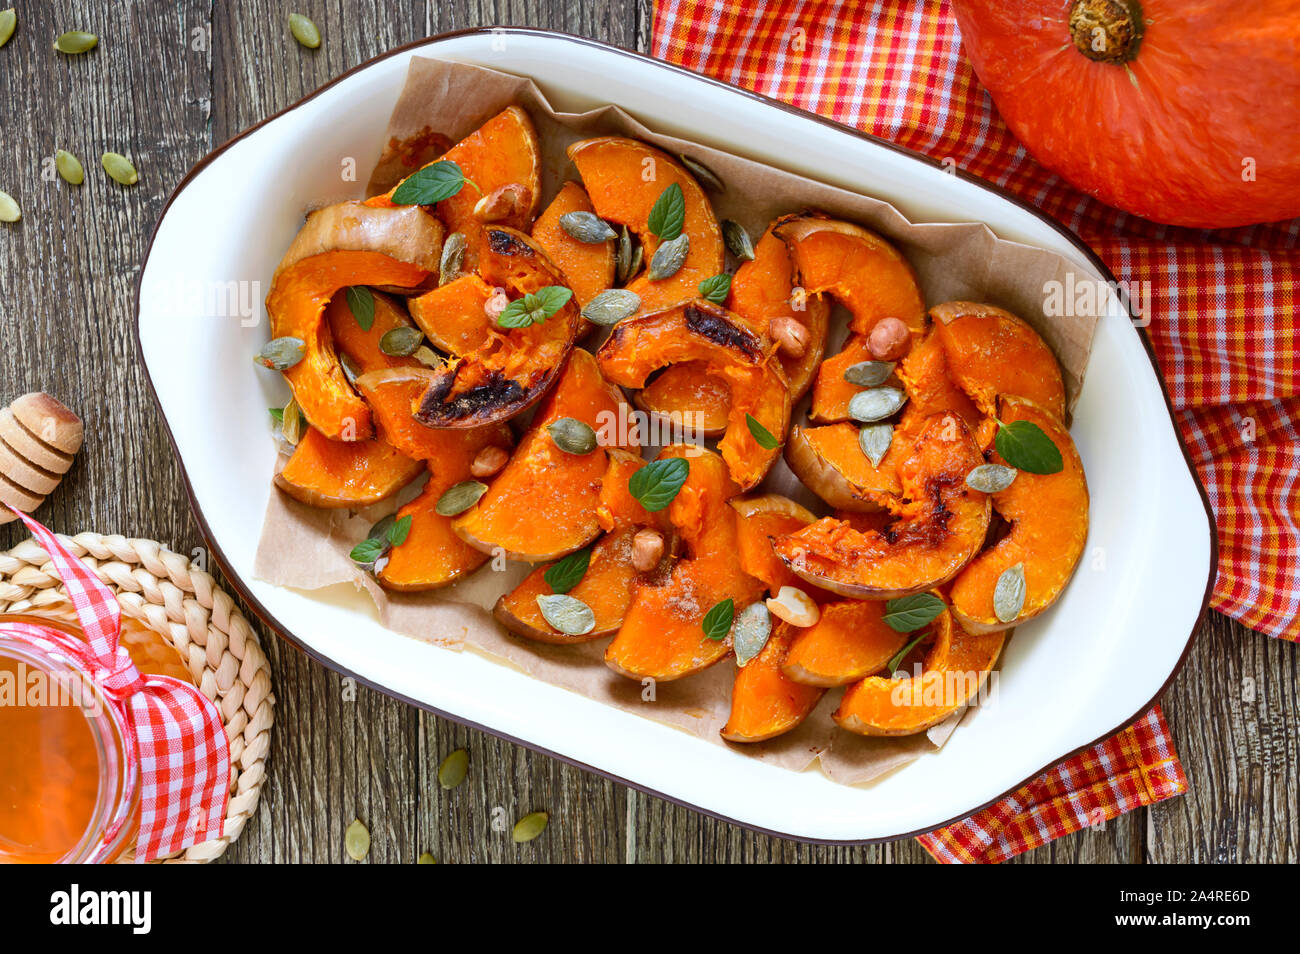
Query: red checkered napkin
pixel 1223 315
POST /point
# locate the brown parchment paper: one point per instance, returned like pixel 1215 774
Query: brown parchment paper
pixel 307 549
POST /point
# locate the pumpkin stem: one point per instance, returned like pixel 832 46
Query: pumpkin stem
pixel 1108 31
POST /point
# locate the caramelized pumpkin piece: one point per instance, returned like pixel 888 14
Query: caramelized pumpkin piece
pixel 1048 514
pixel 335 474
pixel 543 505
pixel 624 178
pixel 856 267
pixel 941 525
pixel 830 462
pixel 514 368
pixel 453 316
pixel 663 636
pixel 991 352
pixel 342 245
pixel 765 702
pixel 701 331
pixel 850 640
pixel 955 668
pixel 762 518
pixel 688 396
pixel 588 267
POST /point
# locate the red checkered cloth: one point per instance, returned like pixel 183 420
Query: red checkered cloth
pixel 175 733
pixel 1222 308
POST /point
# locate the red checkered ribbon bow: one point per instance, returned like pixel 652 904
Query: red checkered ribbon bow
pixel 174 733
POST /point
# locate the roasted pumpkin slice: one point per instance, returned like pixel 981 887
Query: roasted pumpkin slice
pixel 360 346
pixel 390 391
pixel 342 245
pixel 857 268
pixel 501 153
pixel 991 352
pixel 765 702
pixel 588 267
pixel 432 555
pixel 663 635
pixel 762 291
pixel 454 316
pixel 701 331
pixel 941 525
pixel 624 178
pixel 831 391
pixel 763 517
pixel 955 668
pixel 514 368
pixel 544 504
pixel 335 474
pixel 849 641
pixel 931 389
pixel 617 506
pixel 1048 517
pixel 830 462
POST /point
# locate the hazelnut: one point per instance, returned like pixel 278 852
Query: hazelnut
pixel 794 606
pixel 488 461
pixel 647 550
pixel 889 340
pixel 501 203
pixel 496 304
pixel 791 336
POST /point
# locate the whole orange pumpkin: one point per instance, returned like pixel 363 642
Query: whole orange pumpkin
pixel 1180 111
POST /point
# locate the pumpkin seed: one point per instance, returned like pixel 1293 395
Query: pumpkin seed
pixel 623 256
pixel 572 436
pixel 357 840
pixel 669 258
pixel 69 166
pixel 587 227
pixel 281 354
pixel 990 478
pixel 119 168
pixel 529 827
pixel 453 769
pixel 380 530
pixel 304 31
pixel 874 439
pixel 9 211
pixel 737 239
pixel 460 497
pixel 426 859
pixel 1009 593
pixel 874 404
pixel 75 41
pixel 612 306
pixel 453 258
pixel 292 423
pixel 638 259
pixel 350 370
pixel 429 358
pixel 703 174
pixel 8 21
pixel 750 632
pixel 868 374
pixel 401 342
pixel 568 614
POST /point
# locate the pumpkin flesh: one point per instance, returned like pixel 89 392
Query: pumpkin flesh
pixel 766 703
pixel 588 267
pixel 453 316
pixel 335 474
pixel 850 641
pixel 762 518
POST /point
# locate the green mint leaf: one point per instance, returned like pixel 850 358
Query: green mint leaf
pixel 897 659
pixel 668 214
pixel 277 414
pixel 397 533
pixel 656 484
pixel 717 621
pixel 362 304
pixel 762 436
pixel 909 613
pixel 435 182
pixel 535 307
pixel 1025 446
pixel 368 551
pixel 716 289
pixel 565 574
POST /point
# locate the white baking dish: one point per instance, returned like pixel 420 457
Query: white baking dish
pixel 1096 660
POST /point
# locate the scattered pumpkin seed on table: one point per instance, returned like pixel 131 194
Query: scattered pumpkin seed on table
pixel 69 167
pixel 9 211
pixel 8 21
pixel 426 859
pixel 119 168
pixel 357 840
pixel 529 827
pixel 453 769
pixel 76 41
pixel 304 30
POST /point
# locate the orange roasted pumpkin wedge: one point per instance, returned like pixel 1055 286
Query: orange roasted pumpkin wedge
pixel 360 346
pixel 830 462
pixel 453 316
pixel 849 641
pixel 663 635
pixel 702 331
pixel 624 178
pixel 1048 514
pixel 689 397
pixel 765 702
pixel 544 504
pixel 831 391
pixel 514 367
pixel 390 391
pixel 335 474
pixel 763 517
pixel 342 245
pixel 856 267
pixel 588 267
pixel 941 524
pixel 991 352
pixel 956 666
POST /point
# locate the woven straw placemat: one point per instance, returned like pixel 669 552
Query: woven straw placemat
pixel 169 594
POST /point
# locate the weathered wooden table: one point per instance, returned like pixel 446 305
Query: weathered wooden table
pixel 171 80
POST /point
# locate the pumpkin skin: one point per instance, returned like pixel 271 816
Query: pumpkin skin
pixel 763 517
pixel 765 702
pixel 334 474
pixel 1159 127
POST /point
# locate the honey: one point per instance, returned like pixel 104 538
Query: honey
pixel 61 756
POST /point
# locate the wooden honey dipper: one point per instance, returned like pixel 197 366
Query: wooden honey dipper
pixel 38 438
